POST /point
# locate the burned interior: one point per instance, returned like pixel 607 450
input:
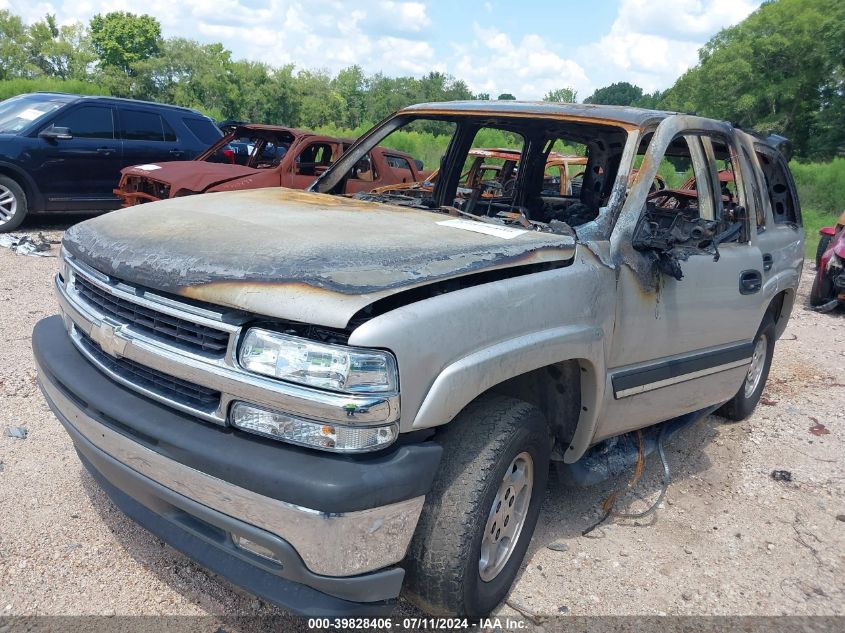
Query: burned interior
pixel 516 189
pixel 703 213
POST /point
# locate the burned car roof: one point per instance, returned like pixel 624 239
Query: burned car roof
pixel 621 114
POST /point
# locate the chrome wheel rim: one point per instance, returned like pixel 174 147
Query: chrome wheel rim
pixel 758 361
pixel 8 204
pixel 506 517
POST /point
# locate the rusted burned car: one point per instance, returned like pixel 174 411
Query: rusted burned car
pixel 494 170
pixel 330 399
pixel 253 156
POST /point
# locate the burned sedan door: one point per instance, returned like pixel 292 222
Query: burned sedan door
pixel 690 291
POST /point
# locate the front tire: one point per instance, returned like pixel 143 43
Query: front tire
pixel 478 518
pixel 743 403
pixel 13 204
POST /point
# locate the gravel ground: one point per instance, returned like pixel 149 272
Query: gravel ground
pixel 728 540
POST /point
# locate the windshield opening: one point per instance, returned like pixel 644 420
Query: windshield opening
pixel 19 113
pixel 256 148
pixel 505 169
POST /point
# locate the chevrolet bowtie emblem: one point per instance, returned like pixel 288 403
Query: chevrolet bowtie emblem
pixel 106 336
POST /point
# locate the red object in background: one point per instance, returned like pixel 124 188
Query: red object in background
pixel 828 289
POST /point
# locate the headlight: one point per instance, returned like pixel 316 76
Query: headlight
pixel 324 435
pixel 300 360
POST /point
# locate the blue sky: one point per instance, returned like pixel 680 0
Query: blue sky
pixel 525 47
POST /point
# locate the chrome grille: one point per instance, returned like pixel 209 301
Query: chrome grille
pixel 187 334
pixel 161 384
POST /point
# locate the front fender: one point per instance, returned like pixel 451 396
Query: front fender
pixel 460 382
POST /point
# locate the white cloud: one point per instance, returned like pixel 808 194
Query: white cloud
pixel 652 42
pixel 493 63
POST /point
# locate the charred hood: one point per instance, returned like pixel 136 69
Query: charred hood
pixel 295 255
pixel 192 175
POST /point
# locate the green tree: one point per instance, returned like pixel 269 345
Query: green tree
pixel 122 39
pixel 14 58
pixel 506 96
pixel 620 93
pixel 562 95
pixel 781 70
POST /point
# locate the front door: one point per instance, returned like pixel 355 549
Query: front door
pixel 79 173
pixel 685 344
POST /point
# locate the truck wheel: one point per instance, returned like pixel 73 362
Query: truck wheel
pixel 742 404
pixel 478 518
pixel 824 242
pixel 13 206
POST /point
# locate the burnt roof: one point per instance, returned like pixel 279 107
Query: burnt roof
pixel 622 114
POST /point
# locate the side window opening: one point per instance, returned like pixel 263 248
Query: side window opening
pixel 699 215
pixel 754 180
pixel 314 156
pixel 779 187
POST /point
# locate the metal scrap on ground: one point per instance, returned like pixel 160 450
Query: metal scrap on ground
pixel 38 246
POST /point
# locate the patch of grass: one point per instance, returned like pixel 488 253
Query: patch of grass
pixel 813 221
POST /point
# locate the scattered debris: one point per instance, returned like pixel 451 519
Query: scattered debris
pixel 38 246
pixel 563 610
pixel 2 466
pixel 558 546
pixel 781 475
pixel 768 401
pixel 840 517
pixel 819 429
pixel 18 432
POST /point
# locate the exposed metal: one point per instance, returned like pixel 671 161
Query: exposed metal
pixel 332 544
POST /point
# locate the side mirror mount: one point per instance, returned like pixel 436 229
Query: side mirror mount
pixel 54 133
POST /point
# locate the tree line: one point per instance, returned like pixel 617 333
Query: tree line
pixel 780 70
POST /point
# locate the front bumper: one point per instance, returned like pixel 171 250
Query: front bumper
pixel 152 460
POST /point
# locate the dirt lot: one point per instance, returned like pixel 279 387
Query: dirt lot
pixel 729 539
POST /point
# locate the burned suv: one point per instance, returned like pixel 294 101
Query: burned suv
pixel 331 398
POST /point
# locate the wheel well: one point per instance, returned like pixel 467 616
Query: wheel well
pixel 31 196
pixel 555 390
pixel 776 305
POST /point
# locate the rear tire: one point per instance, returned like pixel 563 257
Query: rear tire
pixel 822 290
pixel 478 520
pixel 13 204
pixel 743 403
pixel 824 243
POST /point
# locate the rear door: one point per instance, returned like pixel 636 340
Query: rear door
pixel 79 173
pixel 147 137
pixel 779 232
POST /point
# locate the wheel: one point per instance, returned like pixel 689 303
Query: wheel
pixel 824 242
pixel 478 518
pixel 822 290
pixel 13 206
pixel 742 404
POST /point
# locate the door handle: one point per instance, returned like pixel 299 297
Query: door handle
pixel 767 261
pixel 105 150
pixel 750 281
